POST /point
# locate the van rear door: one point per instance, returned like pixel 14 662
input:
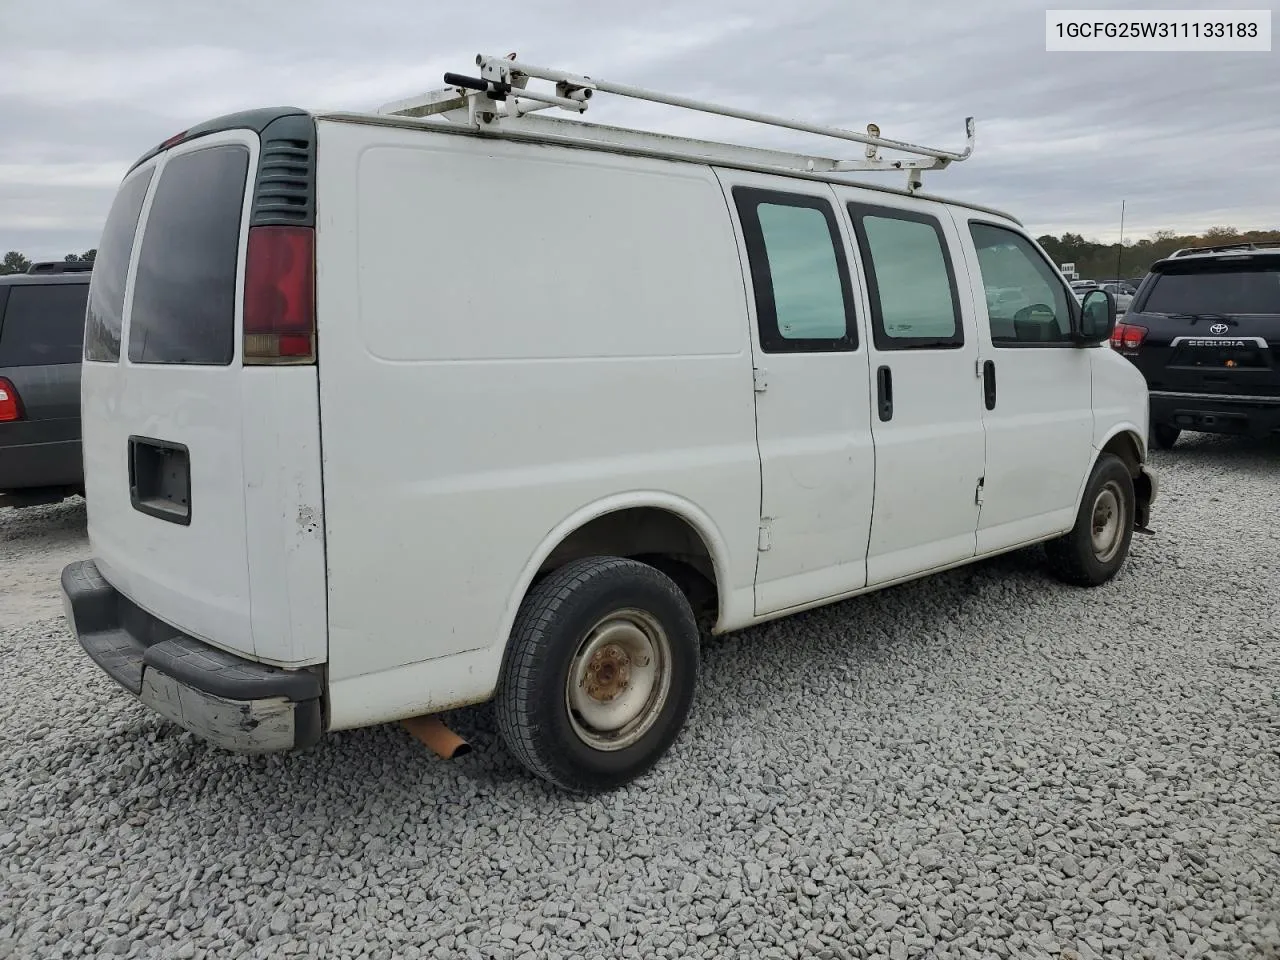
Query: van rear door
pixel 202 472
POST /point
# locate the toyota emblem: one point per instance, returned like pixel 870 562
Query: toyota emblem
pixel 1218 329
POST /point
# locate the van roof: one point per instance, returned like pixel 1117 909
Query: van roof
pixel 414 123
pixel 259 119
pixel 256 120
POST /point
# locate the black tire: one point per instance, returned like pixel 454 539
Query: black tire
pixel 1164 436
pixel 557 621
pixel 1075 557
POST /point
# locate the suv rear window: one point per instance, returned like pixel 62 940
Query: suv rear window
pixel 184 299
pixel 1216 288
pixel 43 324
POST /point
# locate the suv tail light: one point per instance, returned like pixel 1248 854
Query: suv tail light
pixel 1128 336
pixel 10 408
pixel 280 296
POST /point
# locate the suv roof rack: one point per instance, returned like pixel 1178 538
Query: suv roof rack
pixel 499 100
pixel 61 266
pixel 1221 247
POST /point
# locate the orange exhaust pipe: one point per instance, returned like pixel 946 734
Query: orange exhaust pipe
pixel 442 741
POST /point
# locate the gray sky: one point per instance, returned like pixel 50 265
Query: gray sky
pixel 1189 140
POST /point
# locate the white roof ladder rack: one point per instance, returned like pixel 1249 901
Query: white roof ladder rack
pixel 499 99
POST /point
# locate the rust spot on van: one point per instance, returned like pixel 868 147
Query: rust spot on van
pixel 307 523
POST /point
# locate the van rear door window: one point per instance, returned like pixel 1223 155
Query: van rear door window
pixel 184 300
pixel 110 268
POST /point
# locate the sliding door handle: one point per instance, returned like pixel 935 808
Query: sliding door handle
pixel 989 383
pixel 884 393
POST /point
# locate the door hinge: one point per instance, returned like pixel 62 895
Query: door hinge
pixel 761 378
pixel 766 534
pixel 977 494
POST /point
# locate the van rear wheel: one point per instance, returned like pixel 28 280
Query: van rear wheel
pixel 599 674
pixel 1096 547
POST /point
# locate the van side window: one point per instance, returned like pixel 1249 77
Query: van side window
pixel 110 267
pixel 1026 301
pixel 909 278
pixel 804 300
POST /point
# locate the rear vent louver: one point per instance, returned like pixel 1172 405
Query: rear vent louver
pixel 286 186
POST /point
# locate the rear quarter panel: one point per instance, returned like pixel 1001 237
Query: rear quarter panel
pixel 509 334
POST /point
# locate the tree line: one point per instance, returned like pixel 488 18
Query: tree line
pixel 1110 261
pixel 15 262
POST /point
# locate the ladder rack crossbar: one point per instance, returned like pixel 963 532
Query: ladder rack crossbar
pixel 499 101
pixel 703 151
pixel 653 96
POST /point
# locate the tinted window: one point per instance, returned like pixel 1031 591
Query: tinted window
pixel 801 279
pixel 184 294
pixel 106 289
pixel 1026 302
pixel 1216 288
pixel 909 276
pixel 43 324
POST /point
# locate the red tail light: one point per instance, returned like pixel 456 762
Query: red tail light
pixel 10 408
pixel 280 296
pixel 1128 336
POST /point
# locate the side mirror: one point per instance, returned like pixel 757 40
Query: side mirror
pixel 1097 317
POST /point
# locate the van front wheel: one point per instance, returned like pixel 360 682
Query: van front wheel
pixel 1096 547
pixel 599 673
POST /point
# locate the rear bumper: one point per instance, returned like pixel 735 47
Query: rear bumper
pixel 54 464
pixel 1211 413
pixel 233 703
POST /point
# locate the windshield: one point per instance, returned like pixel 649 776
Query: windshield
pixel 1216 288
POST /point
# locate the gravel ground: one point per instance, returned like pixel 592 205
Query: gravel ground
pixel 35 544
pixel 982 764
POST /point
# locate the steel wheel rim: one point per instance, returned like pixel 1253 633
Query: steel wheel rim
pixel 618 680
pixel 1107 524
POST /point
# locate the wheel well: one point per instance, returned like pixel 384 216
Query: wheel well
pixel 654 536
pixel 1125 446
pixel 1128 448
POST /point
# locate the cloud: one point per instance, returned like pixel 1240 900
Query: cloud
pixel 101 175
pixel 1063 138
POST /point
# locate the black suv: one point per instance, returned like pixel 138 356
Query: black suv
pixel 1204 329
pixel 41 337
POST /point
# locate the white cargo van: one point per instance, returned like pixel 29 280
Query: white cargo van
pixel 385 414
